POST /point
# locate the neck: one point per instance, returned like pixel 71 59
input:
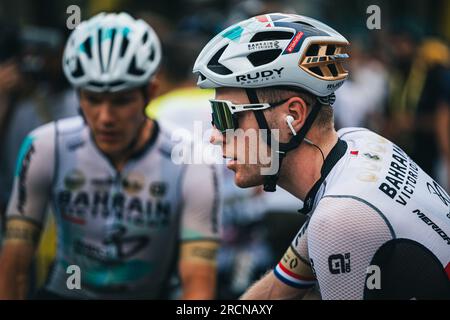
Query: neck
pixel 301 168
pixel 145 133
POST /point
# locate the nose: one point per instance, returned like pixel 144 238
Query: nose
pixel 105 115
pixel 216 137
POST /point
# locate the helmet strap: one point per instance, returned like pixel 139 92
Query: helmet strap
pixel 144 90
pixel 259 115
pixel 135 140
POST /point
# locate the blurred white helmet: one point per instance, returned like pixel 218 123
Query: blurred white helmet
pixel 275 50
pixel 111 52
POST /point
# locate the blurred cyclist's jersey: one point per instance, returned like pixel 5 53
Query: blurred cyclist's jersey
pixel 176 101
pixel 122 229
pixel 379 226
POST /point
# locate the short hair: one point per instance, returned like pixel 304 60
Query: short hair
pixel 325 118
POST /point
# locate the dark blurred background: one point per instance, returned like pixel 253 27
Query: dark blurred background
pixel 399 86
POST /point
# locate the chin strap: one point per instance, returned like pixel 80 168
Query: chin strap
pixel 135 140
pixel 270 181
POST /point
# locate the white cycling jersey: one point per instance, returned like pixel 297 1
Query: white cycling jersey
pixel 378 228
pixel 121 229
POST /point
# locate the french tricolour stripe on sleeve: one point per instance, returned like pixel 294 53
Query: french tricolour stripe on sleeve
pixel 292 279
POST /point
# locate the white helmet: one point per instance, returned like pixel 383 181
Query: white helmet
pixel 111 52
pixel 275 50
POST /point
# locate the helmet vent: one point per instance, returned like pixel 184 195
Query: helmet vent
pixel 116 83
pixel 96 84
pixel 87 47
pixel 317 71
pixel 100 56
pixel 333 69
pixel 78 71
pixel 304 24
pixel 324 61
pixel 271 35
pixel 124 46
pixel 133 69
pixel 217 67
pixel 145 37
pixel 263 57
pixel 331 49
pixel 313 50
pixel 151 56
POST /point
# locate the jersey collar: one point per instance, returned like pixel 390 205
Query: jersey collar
pixel 333 157
pixel 137 154
pixel 150 142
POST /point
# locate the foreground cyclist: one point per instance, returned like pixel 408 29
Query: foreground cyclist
pixel 378 225
pixel 121 204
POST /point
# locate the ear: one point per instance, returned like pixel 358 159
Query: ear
pixel 298 109
pixel 152 89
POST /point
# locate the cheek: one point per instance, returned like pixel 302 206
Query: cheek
pixel 247 121
pixel 248 176
pixel 229 145
pixel 131 117
pixel 89 114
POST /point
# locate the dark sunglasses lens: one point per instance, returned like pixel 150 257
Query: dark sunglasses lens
pixel 221 116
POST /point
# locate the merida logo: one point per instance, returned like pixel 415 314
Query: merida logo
pixel 433 225
pixel 259 75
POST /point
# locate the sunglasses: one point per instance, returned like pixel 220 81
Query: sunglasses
pixel 224 112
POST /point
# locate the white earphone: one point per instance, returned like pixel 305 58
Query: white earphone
pixel 289 120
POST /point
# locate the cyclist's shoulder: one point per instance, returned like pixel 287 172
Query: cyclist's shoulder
pixel 47 136
pixel 359 172
pixel 376 173
pixel 41 136
pixel 70 125
pixel 360 133
pixel 62 126
pixel 341 216
pixel 330 204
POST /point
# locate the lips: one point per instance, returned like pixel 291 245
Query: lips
pixel 106 136
pixel 231 162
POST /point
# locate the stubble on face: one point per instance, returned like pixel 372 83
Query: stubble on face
pixel 245 146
